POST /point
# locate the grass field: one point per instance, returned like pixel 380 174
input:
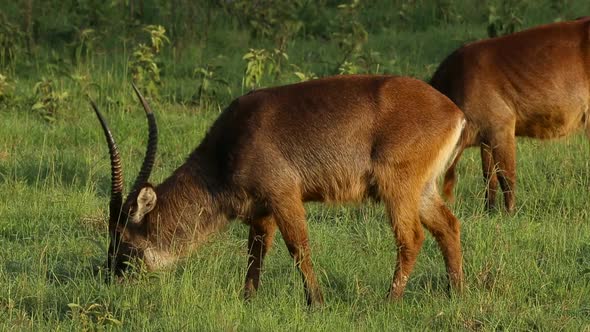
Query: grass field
pixel 529 271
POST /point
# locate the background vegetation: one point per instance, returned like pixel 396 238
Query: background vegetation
pixel 530 271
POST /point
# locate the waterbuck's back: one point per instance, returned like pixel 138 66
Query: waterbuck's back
pixel 328 135
pixel 541 75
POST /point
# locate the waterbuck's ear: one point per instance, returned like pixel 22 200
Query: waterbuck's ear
pixel 146 201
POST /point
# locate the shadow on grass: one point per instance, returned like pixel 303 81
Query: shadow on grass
pixel 15 267
pixel 419 287
pixel 69 270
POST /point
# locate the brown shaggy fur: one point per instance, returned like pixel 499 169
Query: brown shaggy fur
pixel 533 83
pixel 339 139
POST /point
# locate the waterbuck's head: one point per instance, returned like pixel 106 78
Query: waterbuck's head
pixel 129 219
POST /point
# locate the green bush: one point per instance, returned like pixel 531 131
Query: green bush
pixel 261 63
pixel 145 63
pixel 48 100
pixel 504 17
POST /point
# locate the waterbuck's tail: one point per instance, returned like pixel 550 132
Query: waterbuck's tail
pixel 465 141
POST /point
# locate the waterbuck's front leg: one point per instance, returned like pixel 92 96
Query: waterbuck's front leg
pixel 290 218
pixel 260 240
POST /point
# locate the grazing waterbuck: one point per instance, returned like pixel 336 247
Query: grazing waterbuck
pixel 533 83
pixel 338 139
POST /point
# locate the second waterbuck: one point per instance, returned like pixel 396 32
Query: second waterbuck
pixel 534 83
pixel 339 139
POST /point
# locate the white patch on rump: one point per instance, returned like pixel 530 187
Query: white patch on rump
pixel 446 154
pixel 450 150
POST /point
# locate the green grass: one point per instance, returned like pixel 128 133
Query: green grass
pixel 530 271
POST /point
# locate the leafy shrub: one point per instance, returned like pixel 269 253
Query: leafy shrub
pixel 350 34
pixel 6 89
pixel 367 62
pixel 274 19
pixel 145 64
pixel 84 44
pixel 504 17
pixel 405 10
pixel 261 62
pixel 93 317
pixel 348 68
pixel 48 100
pixel 561 8
pixel 445 11
pixel 303 75
pixel 210 85
pixel 83 83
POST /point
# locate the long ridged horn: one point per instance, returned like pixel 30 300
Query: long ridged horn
pixel 116 169
pixel 152 145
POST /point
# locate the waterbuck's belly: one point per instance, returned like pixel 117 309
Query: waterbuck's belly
pixel 550 121
pixel 340 186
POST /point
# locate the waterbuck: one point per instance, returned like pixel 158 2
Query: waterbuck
pixel 534 83
pixel 338 139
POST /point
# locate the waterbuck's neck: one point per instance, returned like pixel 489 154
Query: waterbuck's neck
pixel 189 208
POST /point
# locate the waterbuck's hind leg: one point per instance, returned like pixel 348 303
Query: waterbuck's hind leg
pixel 409 238
pixel 451 177
pixel 489 176
pixel 403 209
pixel 445 228
pixel 504 153
pixel 260 239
